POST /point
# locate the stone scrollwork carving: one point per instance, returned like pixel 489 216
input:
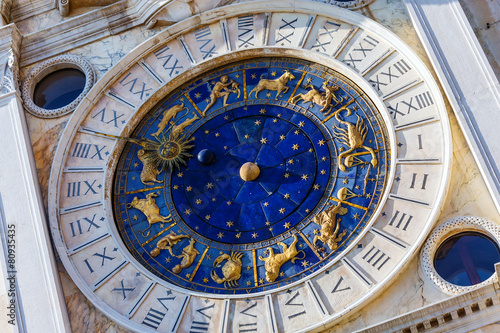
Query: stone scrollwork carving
pixel 47 67
pixel 9 73
pixel 443 232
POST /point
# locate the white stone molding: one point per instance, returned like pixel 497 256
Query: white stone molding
pixel 353 4
pixel 38 287
pixel 5 8
pixel 467 78
pixel 445 231
pixel 463 313
pixel 38 72
pixel 103 22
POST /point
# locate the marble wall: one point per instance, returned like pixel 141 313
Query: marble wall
pixel 467 195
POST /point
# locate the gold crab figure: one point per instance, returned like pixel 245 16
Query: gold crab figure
pixel 231 269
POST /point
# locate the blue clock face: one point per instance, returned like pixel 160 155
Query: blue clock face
pixel 251 176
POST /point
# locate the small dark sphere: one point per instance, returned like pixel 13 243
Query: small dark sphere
pixel 206 157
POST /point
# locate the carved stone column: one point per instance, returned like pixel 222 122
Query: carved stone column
pixel 5 7
pixel 30 290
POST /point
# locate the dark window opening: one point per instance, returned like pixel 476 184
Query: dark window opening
pixel 467 258
pixel 59 88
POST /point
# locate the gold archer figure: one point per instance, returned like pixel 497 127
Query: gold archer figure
pixel 330 226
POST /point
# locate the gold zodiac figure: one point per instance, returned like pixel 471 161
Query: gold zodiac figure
pixel 188 255
pixel 330 226
pixel 274 262
pixel 167 116
pixel 353 137
pixel 221 90
pixel 149 169
pixel 179 129
pixel 231 269
pixel 323 99
pixel 149 208
pixel 278 84
pixel 166 243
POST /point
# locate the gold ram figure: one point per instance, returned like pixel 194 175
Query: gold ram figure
pixel 330 226
pixel 278 84
pixel 275 261
pixel 231 269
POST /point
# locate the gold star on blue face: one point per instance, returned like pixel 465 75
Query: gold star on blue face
pixel 305 177
pixel 263 140
pixel 257 122
pixel 197 95
pixel 282 210
pixel 286 225
pixel 255 235
pixel 262 111
pixel 209 186
pixel 295 146
pixel 187 211
pixel 136 165
pixel 253 76
pixel 355 216
pixel 220 235
pixel 229 223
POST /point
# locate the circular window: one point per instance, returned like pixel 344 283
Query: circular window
pixel 467 258
pixel 59 88
pixel 55 87
pixel 460 255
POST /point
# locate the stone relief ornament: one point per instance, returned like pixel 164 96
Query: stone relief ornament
pixel 10 75
pixel 149 208
pixel 231 269
pixel 278 84
pixel 44 68
pixel 275 261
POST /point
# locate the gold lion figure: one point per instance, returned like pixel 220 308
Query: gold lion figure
pixel 274 262
pixel 330 226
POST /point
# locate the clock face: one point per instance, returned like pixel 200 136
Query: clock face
pixel 250 169
pixel 295 164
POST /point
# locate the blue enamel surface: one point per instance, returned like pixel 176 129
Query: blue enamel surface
pixel 297 152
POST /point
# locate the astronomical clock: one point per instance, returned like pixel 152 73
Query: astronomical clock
pixel 262 168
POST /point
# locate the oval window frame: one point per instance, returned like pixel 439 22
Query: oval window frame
pixel 40 71
pixel 444 232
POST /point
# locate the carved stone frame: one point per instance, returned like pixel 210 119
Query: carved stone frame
pixel 445 231
pixel 41 70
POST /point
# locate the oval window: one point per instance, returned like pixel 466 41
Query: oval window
pixel 59 88
pixel 466 259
